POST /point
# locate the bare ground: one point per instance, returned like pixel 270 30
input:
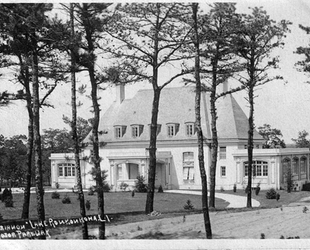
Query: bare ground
pixel 287 221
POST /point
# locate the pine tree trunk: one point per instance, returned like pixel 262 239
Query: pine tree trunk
pixel 203 175
pixel 37 140
pixel 95 123
pixel 214 144
pixel 250 145
pixel 214 148
pixel 26 204
pixel 96 159
pixel 74 130
pixel 149 206
pixel 152 151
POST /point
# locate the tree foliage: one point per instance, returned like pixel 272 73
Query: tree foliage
pixel 147 38
pixel 304 65
pixel 272 137
pixel 258 36
pixel 218 63
pixel 13 155
pixel 301 141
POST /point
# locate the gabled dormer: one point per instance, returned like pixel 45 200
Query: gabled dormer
pixel 172 129
pixel 190 129
pixel 119 131
pixel 136 130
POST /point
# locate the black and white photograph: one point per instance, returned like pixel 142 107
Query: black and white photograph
pixel 155 124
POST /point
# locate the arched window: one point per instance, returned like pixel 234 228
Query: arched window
pixel 286 165
pixel 295 165
pixel 303 164
pixel 259 168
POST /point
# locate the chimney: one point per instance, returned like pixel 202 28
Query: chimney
pixel 120 93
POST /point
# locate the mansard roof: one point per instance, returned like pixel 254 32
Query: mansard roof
pixel 177 105
pixel 232 121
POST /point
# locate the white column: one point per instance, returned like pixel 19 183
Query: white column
pixel 238 171
pixel 273 170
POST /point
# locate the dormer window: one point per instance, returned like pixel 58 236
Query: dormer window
pixel 190 128
pixel 120 131
pixel 136 130
pixel 172 129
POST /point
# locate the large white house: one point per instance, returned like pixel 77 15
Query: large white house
pixel 125 142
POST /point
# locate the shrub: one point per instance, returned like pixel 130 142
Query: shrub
pixel 91 191
pixel 188 205
pixel 8 202
pixel 257 189
pixel 87 204
pixel 66 200
pixel 305 209
pixel 140 185
pixel 6 194
pixel 271 194
pixel 1 217
pixel 123 186
pixel 160 189
pixel 106 187
pixel 55 195
pixel 104 175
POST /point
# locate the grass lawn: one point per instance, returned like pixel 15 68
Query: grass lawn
pixel 115 202
pixel 285 197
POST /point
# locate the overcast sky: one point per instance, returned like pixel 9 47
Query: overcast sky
pixel 285 106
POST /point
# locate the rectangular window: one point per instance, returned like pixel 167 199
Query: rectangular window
pixel 223 171
pixel 69 171
pixel 188 167
pixel 188 157
pixel 133 170
pixel 60 170
pixel 265 170
pixel 171 130
pixel 190 129
pixel 222 153
pixel 118 132
pixel 66 169
pixel 188 173
pixel 259 168
pixel 135 131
